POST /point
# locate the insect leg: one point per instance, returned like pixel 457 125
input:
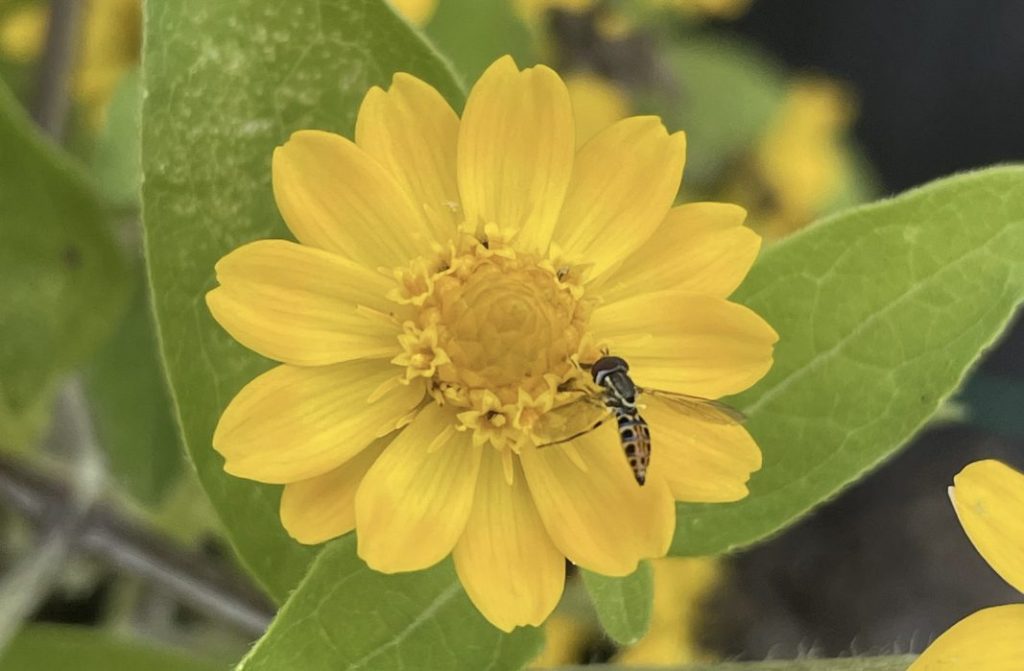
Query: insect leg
pixel 575 435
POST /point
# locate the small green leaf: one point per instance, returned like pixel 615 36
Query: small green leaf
pixel 63 280
pixel 69 648
pixel 725 94
pixel 474 33
pixel 226 83
pixel 623 605
pixel 881 310
pixel 344 615
pixel 132 409
pixel 117 163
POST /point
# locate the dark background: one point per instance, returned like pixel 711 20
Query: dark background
pixel 885 567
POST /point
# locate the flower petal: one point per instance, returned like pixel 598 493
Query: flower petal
pixel 700 248
pixel 323 507
pixel 414 502
pixel 624 182
pixel 697 345
pixel 334 196
pixel 414 133
pixel 989 500
pixel 299 305
pixel 701 461
pixel 293 423
pixel 600 519
pixel 989 640
pixel 505 559
pixel 516 146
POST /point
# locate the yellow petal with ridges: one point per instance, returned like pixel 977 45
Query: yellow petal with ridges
pixel 505 559
pixel 702 462
pixel 334 196
pixel 516 146
pixel 414 134
pixel 623 184
pixel 700 248
pixel 301 305
pixel 690 344
pixel 413 504
pixel 293 423
pixel 989 640
pixel 600 519
pixel 989 500
pixel 323 507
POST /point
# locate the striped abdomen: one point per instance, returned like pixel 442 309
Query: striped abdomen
pixel 636 441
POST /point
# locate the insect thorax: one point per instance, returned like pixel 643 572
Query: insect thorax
pixel 612 374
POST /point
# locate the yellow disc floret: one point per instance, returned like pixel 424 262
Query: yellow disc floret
pixel 496 332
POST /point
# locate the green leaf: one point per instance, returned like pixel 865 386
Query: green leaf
pixel 132 409
pixel 344 615
pixel 70 648
pixel 63 280
pixel 623 605
pixel 474 33
pixel 895 663
pixel 117 164
pixel 225 84
pixel 881 311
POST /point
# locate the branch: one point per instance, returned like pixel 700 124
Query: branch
pixel 128 545
pixel 53 84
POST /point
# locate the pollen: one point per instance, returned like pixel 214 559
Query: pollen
pixel 495 332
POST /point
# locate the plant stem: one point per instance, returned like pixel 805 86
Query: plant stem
pixel 112 537
pixel 52 101
pixel 25 586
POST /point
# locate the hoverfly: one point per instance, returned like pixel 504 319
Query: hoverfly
pixel 618 398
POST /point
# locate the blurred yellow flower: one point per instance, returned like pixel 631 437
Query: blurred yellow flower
pixel 21 32
pixel 564 640
pixel 596 103
pixel 722 9
pixel 451 277
pixel 989 500
pixel 418 12
pixel 680 585
pixel 111 41
pixel 800 166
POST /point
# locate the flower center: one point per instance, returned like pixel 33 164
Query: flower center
pixel 495 332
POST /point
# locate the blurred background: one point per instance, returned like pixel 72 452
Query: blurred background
pixel 792 109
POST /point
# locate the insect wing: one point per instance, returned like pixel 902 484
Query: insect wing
pixel 569 421
pixel 704 409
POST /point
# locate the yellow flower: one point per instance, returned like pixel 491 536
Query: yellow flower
pixel 800 165
pixel 110 45
pixel 450 278
pixel 680 585
pixel 418 12
pixel 988 497
pixel 564 640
